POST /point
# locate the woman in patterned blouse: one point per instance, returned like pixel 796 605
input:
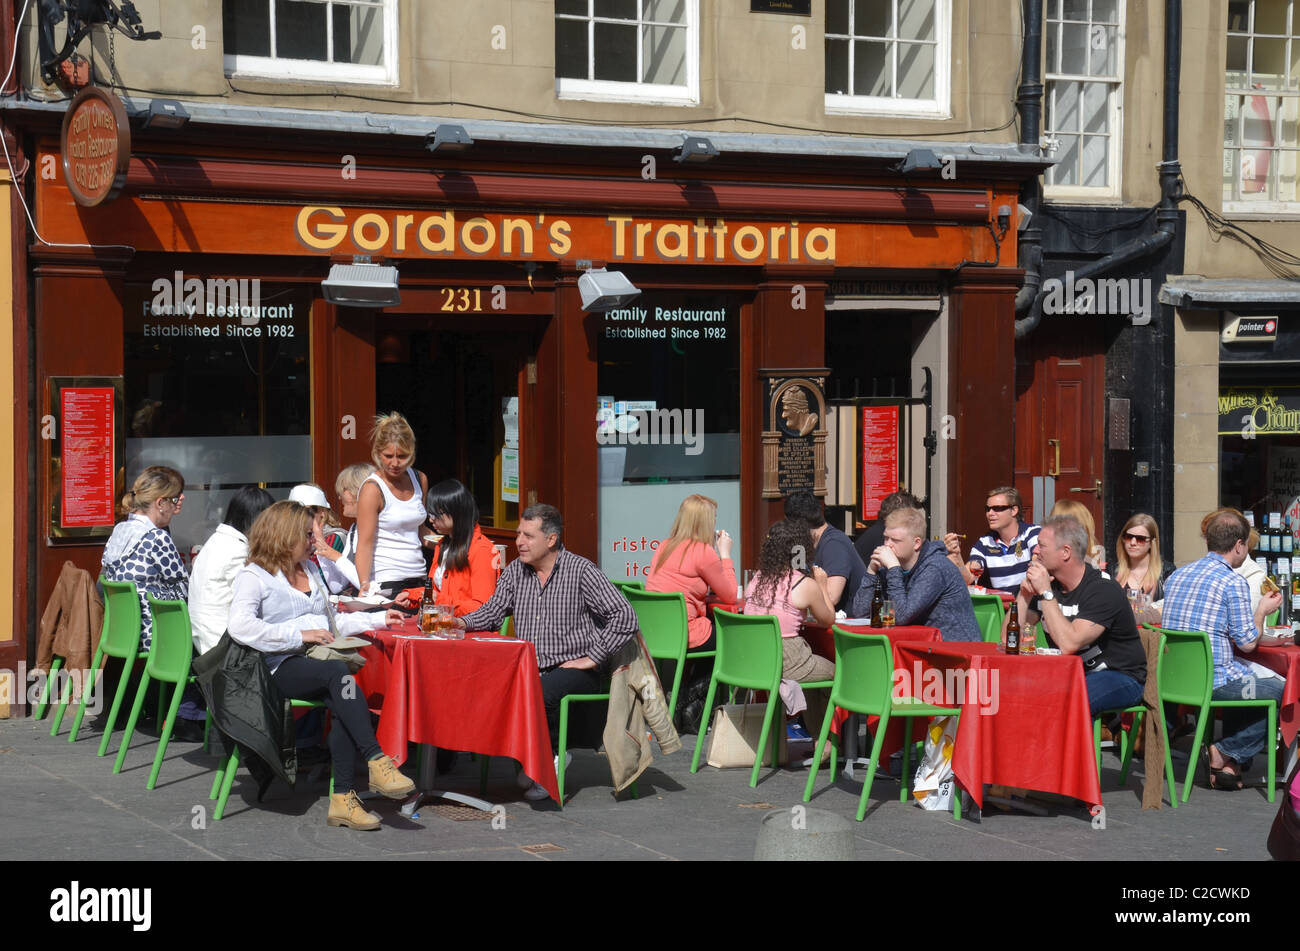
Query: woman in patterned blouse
pixel 141 549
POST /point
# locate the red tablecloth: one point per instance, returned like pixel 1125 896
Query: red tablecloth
pixel 1035 731
pixel 1286 662
pixel 465 694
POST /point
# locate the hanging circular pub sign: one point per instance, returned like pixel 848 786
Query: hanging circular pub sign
pixel 96 146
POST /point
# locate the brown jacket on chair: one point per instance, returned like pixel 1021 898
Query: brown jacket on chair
pixel 636 700
pixel 72 622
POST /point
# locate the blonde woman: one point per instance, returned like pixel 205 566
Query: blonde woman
pixel 1137 557
pixel 141 549
pixel 1079 512
pixel 336 550
pixel 694 559
pixel 281 609
pixel 390 511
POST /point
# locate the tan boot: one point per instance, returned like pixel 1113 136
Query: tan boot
pixel 346 810
pixel 387 781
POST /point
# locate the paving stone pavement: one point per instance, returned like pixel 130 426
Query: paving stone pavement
pixel 60 801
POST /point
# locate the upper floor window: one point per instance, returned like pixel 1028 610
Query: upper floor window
pixel 1261 106
pixel 628 50
pixel 333 40
pixel 888 57
pixel 1085 96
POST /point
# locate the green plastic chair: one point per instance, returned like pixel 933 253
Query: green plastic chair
pixel 168 662
pixel 1127 738
pixel 626 585
pixel 225 777
pixel 989 616
pixel 662 619
pixel 748 656
pixel 1187 677
pixel 864 683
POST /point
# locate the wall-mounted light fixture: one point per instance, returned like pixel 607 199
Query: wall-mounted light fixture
pixel 604 290
pixel 448 138
pixel 695 148
pixel 165 114
pixel 918 160
pixel 362 284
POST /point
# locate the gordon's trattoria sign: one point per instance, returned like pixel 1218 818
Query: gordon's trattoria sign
pixel 458 234
pixel 96 146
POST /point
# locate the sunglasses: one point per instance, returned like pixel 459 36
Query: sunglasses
pixel 996 508
pixel 174 500
pixel 1130 537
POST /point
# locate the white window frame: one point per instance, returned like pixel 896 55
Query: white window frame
pixel 1114 118
pixel 1269 207
pixel 940 107
pixel 651 94
pixel 239 66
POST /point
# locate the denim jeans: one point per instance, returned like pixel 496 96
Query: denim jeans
pixel 1111 690
pixel 1245 731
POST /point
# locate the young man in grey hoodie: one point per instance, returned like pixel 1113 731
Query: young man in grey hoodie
pixel 926 587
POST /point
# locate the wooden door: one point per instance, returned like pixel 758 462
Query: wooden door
pixel 1060 399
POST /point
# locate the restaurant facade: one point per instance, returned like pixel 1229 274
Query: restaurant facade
pixel 184 321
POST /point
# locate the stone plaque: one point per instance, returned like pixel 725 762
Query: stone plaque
pixel 794 434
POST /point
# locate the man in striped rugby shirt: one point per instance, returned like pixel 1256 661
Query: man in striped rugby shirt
pixel 1003 554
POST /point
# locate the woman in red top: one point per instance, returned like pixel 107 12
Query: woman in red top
pixel 694 559
pixel 465 570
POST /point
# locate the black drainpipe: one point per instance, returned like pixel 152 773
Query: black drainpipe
pixel 1170 170
pixel 1029 103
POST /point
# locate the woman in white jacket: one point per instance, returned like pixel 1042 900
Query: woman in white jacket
pixel 222 557
pixel 280 609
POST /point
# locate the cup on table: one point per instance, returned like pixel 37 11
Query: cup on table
pixel 445 623
pixel 429 618
pixel 887 613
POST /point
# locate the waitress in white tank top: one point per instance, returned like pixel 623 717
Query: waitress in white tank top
pixel 390 511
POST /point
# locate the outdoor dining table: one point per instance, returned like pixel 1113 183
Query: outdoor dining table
pixel 1034 732
pixel 1284 661
pixel 479 694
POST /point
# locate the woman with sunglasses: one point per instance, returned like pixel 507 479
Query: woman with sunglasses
pixel 141 548
pixel 1137 558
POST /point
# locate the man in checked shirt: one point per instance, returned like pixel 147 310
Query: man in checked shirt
pixel 567 608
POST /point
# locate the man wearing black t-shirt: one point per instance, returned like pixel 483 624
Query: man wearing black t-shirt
pixel 1084 613
pixel 834 552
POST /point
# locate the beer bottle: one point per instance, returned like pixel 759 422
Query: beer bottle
pixel 1288 540
pixel 1013 629
pixel 878 600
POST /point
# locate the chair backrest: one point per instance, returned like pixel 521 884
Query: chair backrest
pixel 864 666
pixel 749 649
pixel 173 641
pixel 662 618
pixel 627 584
pixel 122 619
pixel 507 627
pixel 1185 673
pixel 988 615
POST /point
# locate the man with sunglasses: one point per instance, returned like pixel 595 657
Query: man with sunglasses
pixel 1003 554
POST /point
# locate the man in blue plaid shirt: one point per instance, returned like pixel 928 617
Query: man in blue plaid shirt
pixel 1208 595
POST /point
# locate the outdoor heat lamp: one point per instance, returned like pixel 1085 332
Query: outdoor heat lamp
pixel 696 148
pixel 604 290
pixel 448 138
pixel 362 284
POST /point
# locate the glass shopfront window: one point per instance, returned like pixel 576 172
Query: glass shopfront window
pixel 218 387
pixel 667 420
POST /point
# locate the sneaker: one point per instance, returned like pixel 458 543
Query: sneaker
pixel 534 792
pixel 795 731
pixel 346 811
pixel 387 781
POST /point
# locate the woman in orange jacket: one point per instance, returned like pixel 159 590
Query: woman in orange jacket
pixel 465 570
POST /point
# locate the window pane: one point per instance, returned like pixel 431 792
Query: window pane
pixel 615 52
pixel 578 7
pixel 837 16
pixel 663 56
pixel 1053 47
pixel 1067 172
pixel 619 9
pixel 1237 46
pixel 247 25
pixel 666 11
pixel 916 19
pixel 1229 168
pixel 1065 117
pixel 1268 71
pixel 871 69
pixel 915 71
pixel 1270 17
pixel 1074 49
pixel 358 35
pixel 1094 160
pixel 571 49
pixel 1101 51
pixel 1286 171
pixel 1096 112
pixel 1239 15
pixel 837 67
pixel 871 17
pixel 1293 78
pixel 1105 11
pixel 1075 10
pixel 1231 109
pixel 300 30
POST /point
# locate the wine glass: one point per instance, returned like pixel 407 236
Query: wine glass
pixel 887 613
pixel 976 571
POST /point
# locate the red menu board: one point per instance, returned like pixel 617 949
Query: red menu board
pixel 879 457
pixel 86 475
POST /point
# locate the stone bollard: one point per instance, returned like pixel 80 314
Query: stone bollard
pixel 800 834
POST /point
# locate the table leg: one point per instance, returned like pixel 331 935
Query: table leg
pixel 425 790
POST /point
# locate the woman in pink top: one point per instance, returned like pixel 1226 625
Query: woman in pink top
pixel 784 587
pixel 688 562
